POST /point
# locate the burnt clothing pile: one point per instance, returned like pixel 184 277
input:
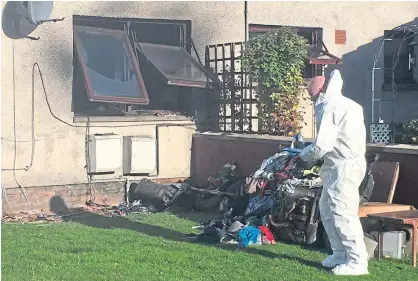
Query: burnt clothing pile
pixel 228 232
pixel 281 165
pixel 229 196
pixel 288 196
pixel 224 177
pixel 279 197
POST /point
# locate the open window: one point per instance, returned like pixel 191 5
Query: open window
pixel 110 67
pixel 399 56
pixel 177 66
pixel 138 68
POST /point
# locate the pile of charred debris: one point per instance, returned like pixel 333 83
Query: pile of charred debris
pixel 279 201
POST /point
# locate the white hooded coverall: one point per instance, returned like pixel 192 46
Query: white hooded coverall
pixel 341 141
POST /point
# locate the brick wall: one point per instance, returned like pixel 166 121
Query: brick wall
pixel 39 198
pixel 73 196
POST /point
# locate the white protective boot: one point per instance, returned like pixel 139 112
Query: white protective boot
pixel 337 258
pixel 351 269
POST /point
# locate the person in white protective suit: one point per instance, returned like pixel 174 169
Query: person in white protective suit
pixel 341 143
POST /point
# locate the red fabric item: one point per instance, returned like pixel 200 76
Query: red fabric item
pixel 265 231
pixel 315 85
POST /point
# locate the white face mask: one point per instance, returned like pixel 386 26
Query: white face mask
pixel 319 110
pixel 320 99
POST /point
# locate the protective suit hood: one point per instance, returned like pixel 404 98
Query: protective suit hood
pixel 334 88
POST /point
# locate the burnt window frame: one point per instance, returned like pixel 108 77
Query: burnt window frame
pixel 120 35
pixel 407 83
pixel 315 40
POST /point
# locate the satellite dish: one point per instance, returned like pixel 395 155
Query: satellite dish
pixel 15 21
pixel 39 11
pixel 19 19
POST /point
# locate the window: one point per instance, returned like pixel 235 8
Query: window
pixel 176 65
pixel 135 67
pixel 312 34
pixel 109 66
pixel 399 57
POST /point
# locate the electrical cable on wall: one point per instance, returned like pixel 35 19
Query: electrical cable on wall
pixel 33 119
pixel 14 123
pixel 92 191
pixel 27 168
pixel 4 194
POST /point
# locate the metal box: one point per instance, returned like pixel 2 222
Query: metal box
pixel 140 155
pixel 105 153
pixel 394 243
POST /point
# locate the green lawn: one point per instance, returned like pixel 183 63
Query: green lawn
pixel 150 247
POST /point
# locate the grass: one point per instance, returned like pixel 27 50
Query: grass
pixel 150 247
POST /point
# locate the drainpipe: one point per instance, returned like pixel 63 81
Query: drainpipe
pixel 246 19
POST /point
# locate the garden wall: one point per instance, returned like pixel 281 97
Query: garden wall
pixel 211 150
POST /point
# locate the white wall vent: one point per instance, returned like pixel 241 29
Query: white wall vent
pixel 140 155
pixel 105 153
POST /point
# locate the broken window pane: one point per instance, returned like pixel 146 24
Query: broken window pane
pixel 178 66
pixel 109 65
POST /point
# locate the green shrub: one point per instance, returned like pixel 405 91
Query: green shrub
pixel 276 61
pixel 408 132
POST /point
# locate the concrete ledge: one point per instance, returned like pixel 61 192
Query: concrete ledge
pixel 248 137
pixel 390 148
pixel 133 118
pixel 393 148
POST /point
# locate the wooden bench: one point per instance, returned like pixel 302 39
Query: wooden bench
pixel 370 208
